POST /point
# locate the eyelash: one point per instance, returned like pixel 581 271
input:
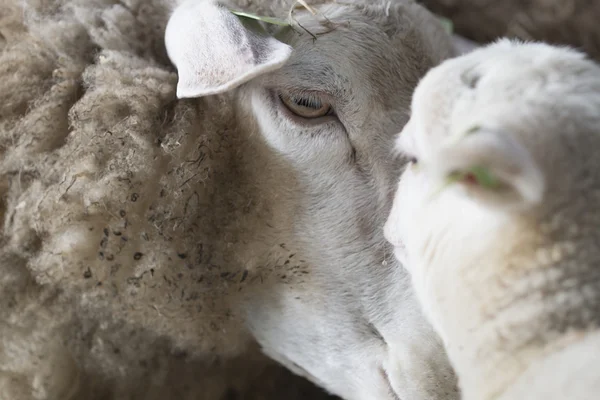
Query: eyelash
pixel 305 104
pixel 305 100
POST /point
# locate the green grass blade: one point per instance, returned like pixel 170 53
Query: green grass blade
pixel 268 20
pixel 448 25
pixel 482 176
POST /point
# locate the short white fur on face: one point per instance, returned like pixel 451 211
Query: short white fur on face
pixel 489 217
pixel 351 323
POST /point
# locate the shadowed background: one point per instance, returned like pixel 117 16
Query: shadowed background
pixel 572 22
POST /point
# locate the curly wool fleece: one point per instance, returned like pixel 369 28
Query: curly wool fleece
pixel 103 177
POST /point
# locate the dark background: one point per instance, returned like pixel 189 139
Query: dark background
pixel 572 22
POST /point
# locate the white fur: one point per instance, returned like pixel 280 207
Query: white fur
pixel 507 275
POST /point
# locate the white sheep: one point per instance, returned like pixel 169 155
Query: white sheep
pixel 146 241
pixel 496 218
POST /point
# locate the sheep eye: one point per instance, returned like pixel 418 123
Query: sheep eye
pixel 413 160
pixel 306 105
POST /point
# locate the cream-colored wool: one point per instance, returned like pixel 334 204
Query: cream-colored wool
pixel 91 196
pixel 508 272
pixel 135 226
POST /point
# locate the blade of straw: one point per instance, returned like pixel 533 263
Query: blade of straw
pixel 268 20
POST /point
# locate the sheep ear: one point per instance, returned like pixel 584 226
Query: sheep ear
pixel 493 167
pixel 216 51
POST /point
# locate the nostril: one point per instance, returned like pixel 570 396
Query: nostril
pixel 375 332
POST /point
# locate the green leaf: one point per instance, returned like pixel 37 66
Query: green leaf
pixel 448 25
pixel 483 177
pixel 268 20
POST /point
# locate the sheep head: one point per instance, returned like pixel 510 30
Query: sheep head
pixel 496 214
pixel 326 97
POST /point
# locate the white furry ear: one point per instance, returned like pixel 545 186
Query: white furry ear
pixel 214 51
pixel 493 166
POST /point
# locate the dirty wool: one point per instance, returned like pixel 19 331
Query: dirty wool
pixel 105 180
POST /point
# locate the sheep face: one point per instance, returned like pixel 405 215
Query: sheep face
pixel 327 109
pixel 493 215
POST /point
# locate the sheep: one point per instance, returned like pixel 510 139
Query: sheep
pixel 496 218
pixel 150 243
